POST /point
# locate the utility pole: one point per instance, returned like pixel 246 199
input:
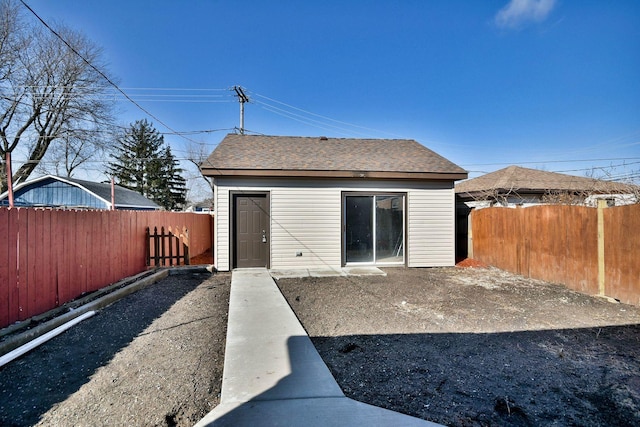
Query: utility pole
pixel 9 177
pixel 242 98
pixel 113 194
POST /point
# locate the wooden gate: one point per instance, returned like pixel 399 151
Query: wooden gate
pixel 167 248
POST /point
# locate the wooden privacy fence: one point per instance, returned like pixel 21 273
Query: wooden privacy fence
pixel 590 250
pixel 49 257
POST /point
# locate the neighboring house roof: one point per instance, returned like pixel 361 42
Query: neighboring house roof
pixel 516 179
pixel 293 156
pixel 98 195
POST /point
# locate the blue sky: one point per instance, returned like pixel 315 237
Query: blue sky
pixel 540 83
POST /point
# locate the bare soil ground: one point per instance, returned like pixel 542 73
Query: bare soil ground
pixel 475 347
pixel 154 358
pixel 463 347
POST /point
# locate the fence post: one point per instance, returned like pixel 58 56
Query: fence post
pixel 170 247
pixel 186 246
pixel 602 204
pixel 469 233
pixel 163 247
pixel 148 246
pixel 156 247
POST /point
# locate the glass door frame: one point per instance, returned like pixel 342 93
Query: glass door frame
pixel 343 219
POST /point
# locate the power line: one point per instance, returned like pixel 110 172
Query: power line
pixel 301 119
pixel 549 161
pixel 103 75
pixel 599 167
pixel 321 116
pixel 186 89
pixel 126 128
pixel 161 89
pixel 144 98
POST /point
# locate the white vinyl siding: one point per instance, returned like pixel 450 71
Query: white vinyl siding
pixel 221 234
pixel 431 240
pixel 305 220
pixel 306 217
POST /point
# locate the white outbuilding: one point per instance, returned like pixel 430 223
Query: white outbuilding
pixel 285 202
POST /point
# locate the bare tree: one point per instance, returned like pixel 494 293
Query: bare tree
pixel 496 196
pixel 565 197
pixel 72 150
pixel 196 155
pixel 47 90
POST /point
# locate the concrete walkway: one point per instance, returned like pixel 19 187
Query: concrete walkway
pixel 273 375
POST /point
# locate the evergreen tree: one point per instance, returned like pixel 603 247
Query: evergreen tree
pixel 143 163
pixel 171 191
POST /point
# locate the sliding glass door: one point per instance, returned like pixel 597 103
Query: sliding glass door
pixel 374 229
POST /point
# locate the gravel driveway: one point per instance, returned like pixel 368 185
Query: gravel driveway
pixel 463 347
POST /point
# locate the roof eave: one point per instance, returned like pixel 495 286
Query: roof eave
pixel 293 173
pixel 125 207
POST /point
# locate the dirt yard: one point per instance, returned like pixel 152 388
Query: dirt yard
pixel 463 347
pixel 475 347
pixel 154 358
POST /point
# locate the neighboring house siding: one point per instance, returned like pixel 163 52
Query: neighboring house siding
pixel 306 216
pixel 56 193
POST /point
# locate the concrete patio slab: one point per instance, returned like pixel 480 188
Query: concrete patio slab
pixel 318 272
pixel 289 274
pixel 363 271
pixel 325 273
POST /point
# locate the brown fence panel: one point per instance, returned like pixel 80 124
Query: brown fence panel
pixel 560 244
pixel 622 253
pixel 494 238
pixel 563 243
pixel 582 272
pixel 552 243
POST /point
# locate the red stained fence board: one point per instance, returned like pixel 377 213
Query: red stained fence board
pixel 50 257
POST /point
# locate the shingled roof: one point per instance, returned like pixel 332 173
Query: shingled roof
pixel 293 156
pixel 525 180
pixel 125 198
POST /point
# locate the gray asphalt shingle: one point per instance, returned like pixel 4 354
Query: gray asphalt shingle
pixel 516 178
pixel 291 153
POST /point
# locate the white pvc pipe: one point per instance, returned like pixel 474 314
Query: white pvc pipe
pixel 43 338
